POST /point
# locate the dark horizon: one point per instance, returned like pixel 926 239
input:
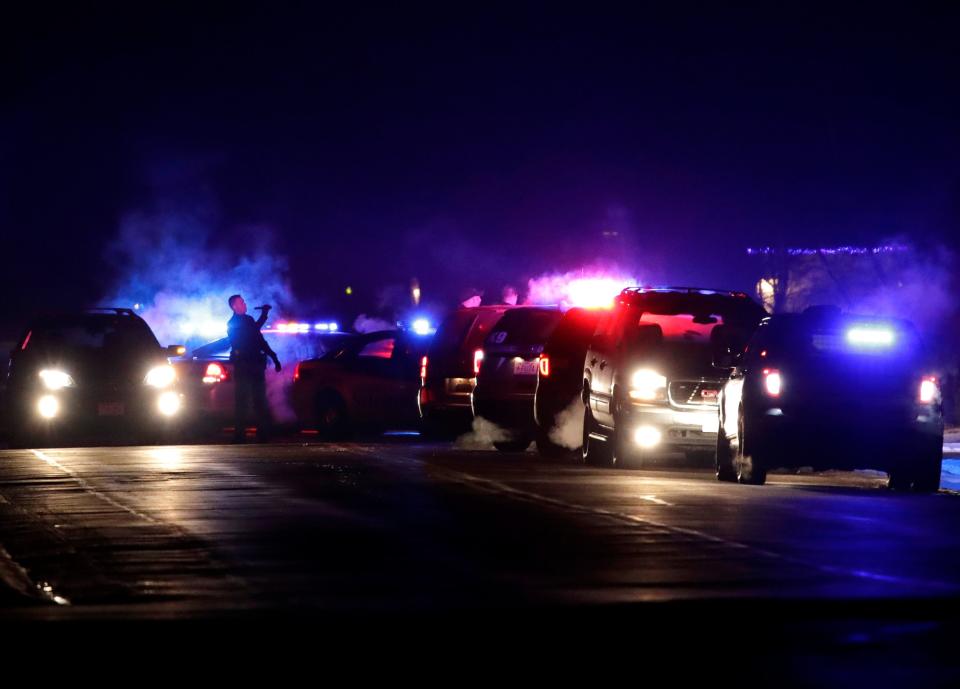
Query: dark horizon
pixel 369 148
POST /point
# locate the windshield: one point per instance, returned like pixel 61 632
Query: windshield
pixel 97 334
pixel 524 327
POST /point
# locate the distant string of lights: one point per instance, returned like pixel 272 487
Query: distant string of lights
pixel 829 251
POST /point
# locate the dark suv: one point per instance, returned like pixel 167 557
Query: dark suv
pixel 98 370
pixel 649 384
pixel 557 404
pixel 507 378
pixel 831 391
pixel 449 369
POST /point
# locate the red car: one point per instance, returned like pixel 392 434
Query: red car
pixel 368 383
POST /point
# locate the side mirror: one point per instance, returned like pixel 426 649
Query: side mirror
pixel 175 350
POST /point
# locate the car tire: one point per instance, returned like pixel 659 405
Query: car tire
pixel 332 422
pixel 594 452
pixel 750 465
pixel 920 472
pixel 723 459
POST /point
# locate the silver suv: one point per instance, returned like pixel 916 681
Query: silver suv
pixel 649 385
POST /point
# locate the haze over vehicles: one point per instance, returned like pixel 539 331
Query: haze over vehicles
pixel 368 383
pixel 560 383
pixel 649 385
pixel 206 373
pixel 507 377
pixel 450 366
pixel 831 391
pixel 87 374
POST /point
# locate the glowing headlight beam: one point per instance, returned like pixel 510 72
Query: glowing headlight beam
pixel 168 403
pixel 160 377
pixel 54 379
pixel 48 406
pixel 647 384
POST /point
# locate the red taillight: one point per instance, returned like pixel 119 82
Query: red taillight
pixel 423 369
pixel 215 373
pixel 296 371
pixel 477 359
pixel 928 390
pixel 544 365
pixel 772 382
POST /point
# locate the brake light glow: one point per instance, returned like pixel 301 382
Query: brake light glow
pixel 423 369
pixel 928 390
pixel 477 360
pixel 544 365
pixel 296 371
pixel 215 373
pixel 772 382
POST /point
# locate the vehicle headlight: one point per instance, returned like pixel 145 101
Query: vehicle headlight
pixel 48 406
pixel 161 376
pixel 168 403
pixel 648 385
pixel 55 379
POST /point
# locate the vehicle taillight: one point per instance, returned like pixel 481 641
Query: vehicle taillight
pixel 928 390
pixel 215 373
pixel 544 365
pixel 423 370
pixel 477 359
pixel 772 382
pixel 296 371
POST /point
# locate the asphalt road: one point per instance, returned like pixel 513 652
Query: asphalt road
pixel 401 529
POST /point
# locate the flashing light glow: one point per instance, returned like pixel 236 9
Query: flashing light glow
pixel 48 406
pixel 647 436
pixel 215 373
pixel 325 327
pixel 928 390
pixel 648 385
pixel 423 369
pixel 544 366
pixel 477 360
pixel 421 326
pixel 585 289
pixel 54 379
pixel 772 382
pixel 168 403
pixel 870 336
pixel 160 376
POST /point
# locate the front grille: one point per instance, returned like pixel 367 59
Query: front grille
pixel 694 393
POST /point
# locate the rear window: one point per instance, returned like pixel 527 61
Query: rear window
pixel 453 331
pixel 91 334
pixel 856 338
pixel 574 331
pixel 524 327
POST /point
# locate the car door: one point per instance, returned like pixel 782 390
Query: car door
pixel 370 379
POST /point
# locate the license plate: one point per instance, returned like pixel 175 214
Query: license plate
pixel 525 368
pixel 110 409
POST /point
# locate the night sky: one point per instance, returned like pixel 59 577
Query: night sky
pixel 471 146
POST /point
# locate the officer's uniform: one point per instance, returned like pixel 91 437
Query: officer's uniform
pixel 248 353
